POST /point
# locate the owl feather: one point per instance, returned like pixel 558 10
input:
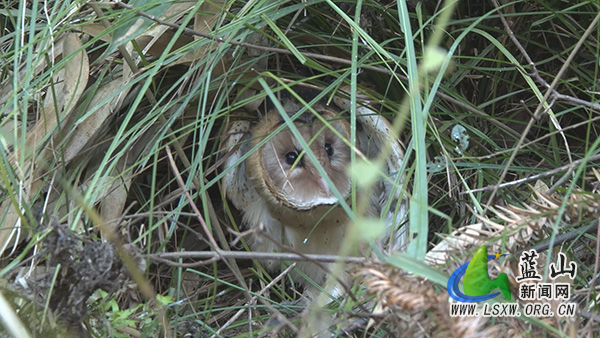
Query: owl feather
pixel 280 190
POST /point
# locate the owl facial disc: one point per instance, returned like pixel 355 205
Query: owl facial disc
pixel 289 174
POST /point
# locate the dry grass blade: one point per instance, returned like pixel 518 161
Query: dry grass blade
pixel 94 95
pixel 65 89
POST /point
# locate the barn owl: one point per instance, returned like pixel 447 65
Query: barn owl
pixel 279 189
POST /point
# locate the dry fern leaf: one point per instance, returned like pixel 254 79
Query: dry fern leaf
pixel 414 308
pixel 520 225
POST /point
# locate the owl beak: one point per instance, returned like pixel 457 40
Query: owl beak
pixel 324 186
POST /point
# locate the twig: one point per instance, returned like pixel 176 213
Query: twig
pixel 209 235
pixel 567 167
pixel 537 140
pixel 255 255
pixel 569 99
pixel 342 283
pixel 248 45
pixel 197 212
pixel 536 76
pixel 169 262
pixel 589 315
pixel 561 239
pixel 343 61
pixel 592 285
pixel 576 101
pixel 267 304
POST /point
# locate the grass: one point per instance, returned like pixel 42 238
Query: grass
pixel 113 118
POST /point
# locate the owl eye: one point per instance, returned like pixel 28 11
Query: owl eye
pixel 290 158
pixel 328 149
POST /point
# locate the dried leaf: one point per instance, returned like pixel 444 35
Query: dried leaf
pixel 69 84
pixel 86 131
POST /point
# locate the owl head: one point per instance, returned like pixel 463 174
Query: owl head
pixel 281 169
